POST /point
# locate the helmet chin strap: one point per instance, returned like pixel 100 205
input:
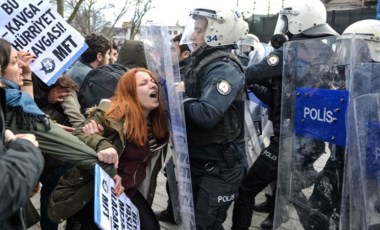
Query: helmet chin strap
pixel 200 50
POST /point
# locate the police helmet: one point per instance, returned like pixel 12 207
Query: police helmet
pixel 224 27
pixel 367 30
pixel 298 16
pixel 249 43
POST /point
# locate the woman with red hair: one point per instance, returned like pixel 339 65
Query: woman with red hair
pixel 134 124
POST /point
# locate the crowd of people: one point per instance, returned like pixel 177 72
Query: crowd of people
pixel 48 138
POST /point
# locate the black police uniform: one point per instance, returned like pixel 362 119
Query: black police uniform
pixel 264 80
pixel 214 112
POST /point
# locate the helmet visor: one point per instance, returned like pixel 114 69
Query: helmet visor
pixel 194 34
pixel 281 25
pixel 247 41
pixel 187 35
pixel 351 50
pixel 246 48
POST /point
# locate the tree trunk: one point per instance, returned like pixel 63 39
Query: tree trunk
pixel 60 7
pixel 73 14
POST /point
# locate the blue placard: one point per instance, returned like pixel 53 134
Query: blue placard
pixel 373 151
pixel 320 114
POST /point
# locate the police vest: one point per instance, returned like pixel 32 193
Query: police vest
pixel 231 127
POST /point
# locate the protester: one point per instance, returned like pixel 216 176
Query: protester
pixel 65 112
pixel 114 54
pixel 214 111
pixel 59 101
pixel 134 125
pixel 21 164
pixel 265 80
pixel 97 54
pixel 132 54
pixel 23 115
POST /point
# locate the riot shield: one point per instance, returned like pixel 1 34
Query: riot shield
pixel 258 127
pixel 160 56
pixel 254 144
pixel 353 59
pixel 361 199
pixel 312 138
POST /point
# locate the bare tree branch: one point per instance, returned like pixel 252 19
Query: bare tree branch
pixel 118 17
pixel 138 16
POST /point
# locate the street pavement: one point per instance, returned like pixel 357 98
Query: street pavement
pixel 160 202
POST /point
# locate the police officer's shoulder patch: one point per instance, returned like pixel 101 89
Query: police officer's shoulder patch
pixel 223 87
pixel 273 60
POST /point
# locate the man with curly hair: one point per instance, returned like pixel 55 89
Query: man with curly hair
pixel 97 54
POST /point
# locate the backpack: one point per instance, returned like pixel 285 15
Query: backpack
pixel 98 84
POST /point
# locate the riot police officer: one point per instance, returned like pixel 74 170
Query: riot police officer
pixel 214 111
pixel 245 47
pixel 359 47
pixel 298 20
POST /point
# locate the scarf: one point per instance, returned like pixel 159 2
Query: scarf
pixel 22 104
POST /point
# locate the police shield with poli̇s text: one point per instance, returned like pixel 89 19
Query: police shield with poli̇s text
pixel 299 22
pixel 359 47
pixel 312 135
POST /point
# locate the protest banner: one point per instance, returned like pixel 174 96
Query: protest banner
pixel 36 27
pixel 111 211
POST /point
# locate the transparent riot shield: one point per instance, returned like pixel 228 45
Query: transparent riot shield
pixel 258 127
pixel 364 172
pixel 361 191
pixel 253 130
pixel 163 61
pixel 353 60
pixel 312 138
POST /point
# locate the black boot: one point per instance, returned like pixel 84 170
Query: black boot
pixel 242 214
pixel 165 216
pixel 267 206
pixel 268 222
